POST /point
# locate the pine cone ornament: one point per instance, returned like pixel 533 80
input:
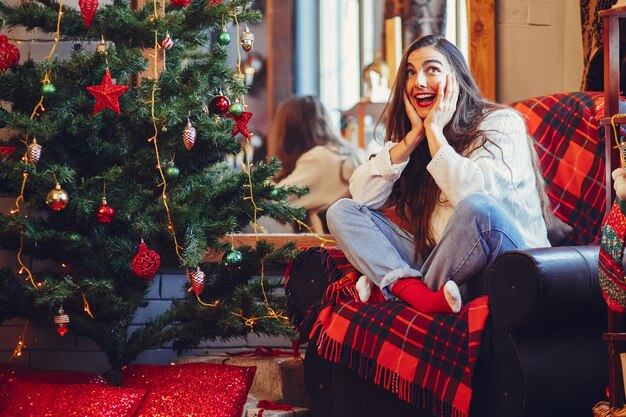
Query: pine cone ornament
pixel 189 135
pixel 9 54
pixel 33 151
pixel 197 280
pixel 146 263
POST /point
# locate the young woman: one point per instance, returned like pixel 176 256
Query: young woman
pixel 458 174
pixel 312 155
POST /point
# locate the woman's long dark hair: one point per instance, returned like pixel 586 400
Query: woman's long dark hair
pixel 415 194
pixel 300 124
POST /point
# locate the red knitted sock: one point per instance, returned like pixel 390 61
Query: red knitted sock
pixel 415 292
pixel 376 296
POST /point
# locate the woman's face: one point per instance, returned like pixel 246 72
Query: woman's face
pixel 426 68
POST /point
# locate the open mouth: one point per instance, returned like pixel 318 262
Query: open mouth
pixel 425 100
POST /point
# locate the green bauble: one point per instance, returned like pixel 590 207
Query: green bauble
pixel 171 171
pixel 48 89
pixel 232 259
pixel 223 38
pixel 235 109
pixel 274 193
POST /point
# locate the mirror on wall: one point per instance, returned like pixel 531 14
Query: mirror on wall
pixel 340 50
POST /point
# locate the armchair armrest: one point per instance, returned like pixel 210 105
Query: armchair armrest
pixel 546 287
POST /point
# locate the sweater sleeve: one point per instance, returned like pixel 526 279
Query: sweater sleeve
pixel 372 182
pixel 493 169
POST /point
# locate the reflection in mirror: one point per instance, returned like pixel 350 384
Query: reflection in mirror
pixel 345 52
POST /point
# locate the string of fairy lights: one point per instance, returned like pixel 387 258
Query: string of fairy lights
pixel 57 198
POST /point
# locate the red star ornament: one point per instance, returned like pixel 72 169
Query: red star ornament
pixel 241 123
pixel 107 94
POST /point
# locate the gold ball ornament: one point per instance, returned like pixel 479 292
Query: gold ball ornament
pixel 246 40
pixel 33 151
pixel 57 198
pixel 101 48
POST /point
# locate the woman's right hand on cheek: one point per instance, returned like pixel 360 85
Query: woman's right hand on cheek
pixel 417 124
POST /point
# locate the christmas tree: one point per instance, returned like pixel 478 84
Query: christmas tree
pixel 117 169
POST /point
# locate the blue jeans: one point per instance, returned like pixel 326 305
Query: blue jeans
pixel 478 231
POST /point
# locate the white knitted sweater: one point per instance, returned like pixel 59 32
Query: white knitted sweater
pixel 505 173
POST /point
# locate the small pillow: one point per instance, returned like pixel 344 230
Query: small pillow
pixel 9 370
pixel 194 389
pixel 35 399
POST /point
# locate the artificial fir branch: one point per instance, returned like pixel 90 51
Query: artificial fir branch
pixel 85 152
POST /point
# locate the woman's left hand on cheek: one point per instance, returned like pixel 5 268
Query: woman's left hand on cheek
pixel 445 105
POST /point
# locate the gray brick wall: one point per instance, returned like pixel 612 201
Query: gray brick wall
pixel 45 349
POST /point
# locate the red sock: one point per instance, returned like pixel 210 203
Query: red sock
pixel 415 292
pixel 376 295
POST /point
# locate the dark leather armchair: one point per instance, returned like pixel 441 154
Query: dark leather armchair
pixel 542 352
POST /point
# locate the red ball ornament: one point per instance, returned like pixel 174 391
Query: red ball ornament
pixel 180 3
pixel 9 54
pixel 220 104
pixel 88 10
pixel 197 280
pixel 61 322
pixel 105 212
pixel 146 263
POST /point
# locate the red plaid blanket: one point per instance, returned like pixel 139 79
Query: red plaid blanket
pixel 570 145
pixel 425 360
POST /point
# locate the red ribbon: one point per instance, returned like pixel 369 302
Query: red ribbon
pixel 268 405
pixel 265 351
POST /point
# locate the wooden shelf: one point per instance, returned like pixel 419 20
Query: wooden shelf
pixel 277 239
pixel 614 337
pixel 606 121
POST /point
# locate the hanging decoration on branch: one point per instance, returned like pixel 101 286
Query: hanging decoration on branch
pixel 219 104
pixel 232 259
pixel 57 198
pixel 236 108
pixel 33 152
pixel 88 10
pixel 241 123
pixel 101 48
pixel 171 171
pixel 6 151
pixel 146 263
pixel 107 94
pixel 181 3
pixel 9 54
pixel 197 279
pixel 189 135
pixel 246 40
pixel 61 322
pixel 167 42
pixel 105 212
pixel 223 38
pixel 48 89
